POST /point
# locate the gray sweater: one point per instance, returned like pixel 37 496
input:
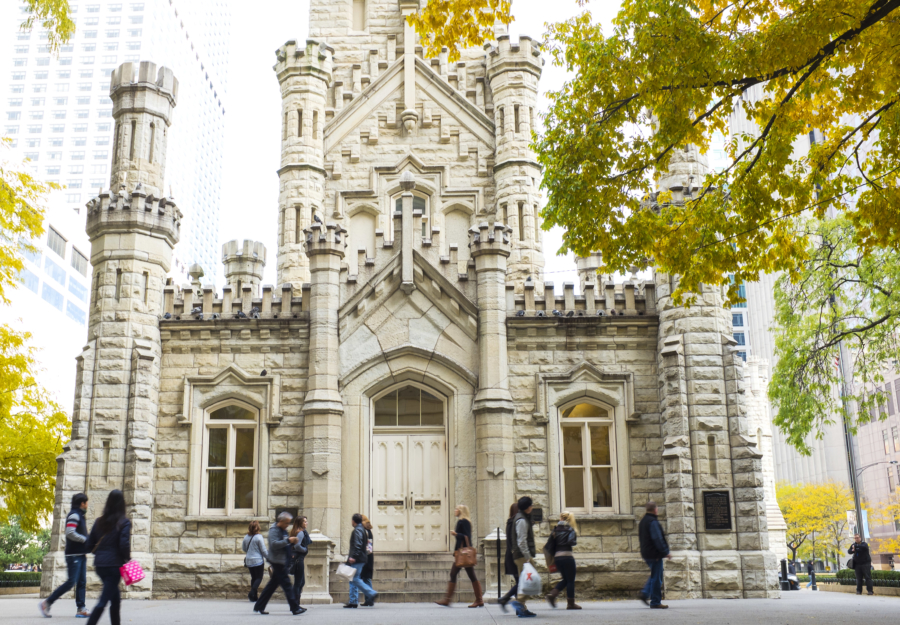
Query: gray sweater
pixel 255 548
pixel 279 545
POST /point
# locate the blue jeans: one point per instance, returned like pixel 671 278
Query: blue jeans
pixel 77 571
pixel 653 587
pixel 110 577
pixel 359 584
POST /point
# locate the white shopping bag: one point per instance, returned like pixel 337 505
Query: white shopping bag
pixel 345 571
pixel 529 581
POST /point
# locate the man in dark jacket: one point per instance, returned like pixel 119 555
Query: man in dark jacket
pixel 862 564
pixel 357 559
pixel 76 559
pixel 523 548
pixel 279 558
pixel 653 549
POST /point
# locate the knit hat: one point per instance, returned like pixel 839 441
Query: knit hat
pixel 524 504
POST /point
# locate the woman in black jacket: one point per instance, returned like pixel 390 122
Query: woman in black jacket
pixel 509 563
pixel 110 542
pixel 463 535
pixel 298 556
pixel 562 540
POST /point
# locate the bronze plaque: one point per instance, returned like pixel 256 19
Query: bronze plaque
pixel 428 502
pixel 717 509
pixel 398 502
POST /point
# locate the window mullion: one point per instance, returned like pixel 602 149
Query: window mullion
pixel 229 471
pixel 588 483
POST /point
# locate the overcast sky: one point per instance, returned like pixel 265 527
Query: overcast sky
pixel 253 114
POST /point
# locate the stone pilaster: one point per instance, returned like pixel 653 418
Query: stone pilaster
pixel 493 406
pixel 323 408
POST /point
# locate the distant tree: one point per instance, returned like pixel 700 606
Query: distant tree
pixel 458 24
pixel 834 501
pixel 887 512
pixel 798 503
pixel 841 293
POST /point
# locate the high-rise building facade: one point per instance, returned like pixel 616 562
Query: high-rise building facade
pixel 56 109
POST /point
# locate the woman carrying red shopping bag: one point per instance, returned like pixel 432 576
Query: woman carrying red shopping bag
pixel 110 542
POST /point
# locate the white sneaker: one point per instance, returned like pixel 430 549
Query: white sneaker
pixel 45 609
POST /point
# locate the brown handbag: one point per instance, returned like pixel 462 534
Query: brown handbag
pixel 466 557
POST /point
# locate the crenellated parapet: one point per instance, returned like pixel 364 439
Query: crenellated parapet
pixel 507 56
pixel 489 239
pixel 118 224
pixel 313 59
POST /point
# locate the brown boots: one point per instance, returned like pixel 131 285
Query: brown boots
pixel 451 588
pixel 479 601
pixel 551 598
pixel 572 605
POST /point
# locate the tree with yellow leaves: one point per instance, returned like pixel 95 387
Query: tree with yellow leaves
pixel 670 76
pixel 33 428
pixel 887 513
pixel 801 514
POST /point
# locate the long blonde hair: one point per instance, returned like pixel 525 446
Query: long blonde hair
pixel 569 518
pixel 366 523
pixel 464 512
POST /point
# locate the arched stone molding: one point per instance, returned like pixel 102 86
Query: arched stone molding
pixel 430 371
pixel 205 391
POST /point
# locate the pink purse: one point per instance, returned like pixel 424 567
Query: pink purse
pixel 132 572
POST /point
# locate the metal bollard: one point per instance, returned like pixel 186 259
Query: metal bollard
pixel 812 578
pixel 785 584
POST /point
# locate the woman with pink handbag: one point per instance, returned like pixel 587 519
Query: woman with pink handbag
pixel 110 542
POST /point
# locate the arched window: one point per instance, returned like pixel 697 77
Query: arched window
pixel 409 406
pixel 230 459
pixel 588 458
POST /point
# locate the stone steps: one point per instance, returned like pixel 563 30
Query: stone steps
pixel 411 578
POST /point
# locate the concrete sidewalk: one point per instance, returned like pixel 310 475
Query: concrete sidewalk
pixel 793 608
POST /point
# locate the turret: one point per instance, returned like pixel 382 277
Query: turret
pixel 143 102
pixel 244 265
pixel 513 71
pixel 133 231
pixel 305 74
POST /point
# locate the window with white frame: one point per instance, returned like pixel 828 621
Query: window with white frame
pixel 230 459
pixel 588 450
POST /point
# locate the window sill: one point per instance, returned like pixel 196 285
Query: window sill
pixel 604 516
pixel 222 518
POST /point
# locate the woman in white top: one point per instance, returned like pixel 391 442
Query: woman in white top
pixel 255 548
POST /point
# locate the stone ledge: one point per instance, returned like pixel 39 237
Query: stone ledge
pixel 235 518
pixel 880 591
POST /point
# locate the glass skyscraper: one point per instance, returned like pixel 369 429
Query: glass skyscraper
pixel 57 111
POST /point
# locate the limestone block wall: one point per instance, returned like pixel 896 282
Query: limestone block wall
pixel 590 351
pixel 203 558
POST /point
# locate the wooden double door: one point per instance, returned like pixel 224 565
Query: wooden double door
pixel 409 491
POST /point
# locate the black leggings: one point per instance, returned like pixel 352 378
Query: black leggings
pixel 470 571
pixel 566 567
pixel 256 577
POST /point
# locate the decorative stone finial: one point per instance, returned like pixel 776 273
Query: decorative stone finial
pixel 407 181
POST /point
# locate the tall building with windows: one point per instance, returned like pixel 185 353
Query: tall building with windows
pixel 829 457
pixel 57 112
pixel 52 301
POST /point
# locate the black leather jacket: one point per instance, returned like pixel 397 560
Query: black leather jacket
pixel 358 541
pixel 562 538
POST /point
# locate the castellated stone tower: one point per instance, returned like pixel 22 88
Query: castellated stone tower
pixel 244 265
pixel 710 454
pixel 143 102
pixel 133 232
pixel 304 73
pixel 513 72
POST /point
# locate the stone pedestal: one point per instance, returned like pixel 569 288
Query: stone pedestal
pixel 321 552
pixel 493 568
